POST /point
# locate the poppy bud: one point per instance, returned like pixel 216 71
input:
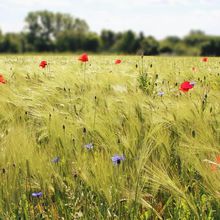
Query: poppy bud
pixel 2 80
pixel 118 61
pixel 205 59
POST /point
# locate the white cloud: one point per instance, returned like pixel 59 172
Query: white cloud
pixel 37 3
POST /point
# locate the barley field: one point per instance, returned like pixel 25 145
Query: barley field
pixel 99 140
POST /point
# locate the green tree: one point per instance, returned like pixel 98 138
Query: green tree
pixel 195 38
pixel 211 47
pixel 150 46
pixel 168 44
pixel 92 42
pixel 43 27
pixel 126 42
pixel 11 43
pixel 69 41
pixel 108 39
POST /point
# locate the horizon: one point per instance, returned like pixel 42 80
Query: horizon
pixel 158 18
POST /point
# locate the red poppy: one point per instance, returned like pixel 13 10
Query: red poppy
pixel 218 159
pixel 2 80
pixel 186 86
pixel 43 64
pixel 205 59
pixel 84 58
pixel 118 61
pixel 214 166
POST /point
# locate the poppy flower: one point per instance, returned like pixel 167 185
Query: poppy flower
pixel 43 64
pixel 205 59
pixel 186 86
pixel 2 80
pixel 116 159
pixel 118 61
pixel 84 58
pixel 37 194
pixel 218 159
pixel 214 166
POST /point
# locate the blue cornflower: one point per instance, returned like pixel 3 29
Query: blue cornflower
pixel 161 93
pixel 56 160
pixel 116 159
pixel 89 146
pixel 37 194
pixel 192 83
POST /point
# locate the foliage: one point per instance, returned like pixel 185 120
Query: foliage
pixel 150 46
pixel 47 31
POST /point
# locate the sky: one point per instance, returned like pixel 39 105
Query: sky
pixel 159 18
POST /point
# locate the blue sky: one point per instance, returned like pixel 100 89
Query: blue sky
pixel 159 18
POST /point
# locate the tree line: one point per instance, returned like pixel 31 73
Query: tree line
pixel 46 31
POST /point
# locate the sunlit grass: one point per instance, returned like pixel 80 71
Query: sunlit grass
pixel 169 142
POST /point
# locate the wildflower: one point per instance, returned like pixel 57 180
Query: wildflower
pixel 89 146
pixel 56 160
pixel 192 83
pixel 116 159
pixel 119 88
pixel 2 80
pixel 214 166
pixel 84 58
pixel 43 64
pixel 118 61
pixel 37 194
pixel 205 59
pixel 161 93
pixel 218 159
pixel 186 86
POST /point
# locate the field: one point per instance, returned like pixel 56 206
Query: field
pixel 61 127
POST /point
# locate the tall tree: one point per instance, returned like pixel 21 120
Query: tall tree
pixel 108 39
pixel 211 47
pixel 169 44
pixel 11 43
pixel 150 46
pixel 43 27
pixel 92 42
pixel 126 42
pixel 195 38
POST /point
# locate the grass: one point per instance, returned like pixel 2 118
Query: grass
pixel 169 142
